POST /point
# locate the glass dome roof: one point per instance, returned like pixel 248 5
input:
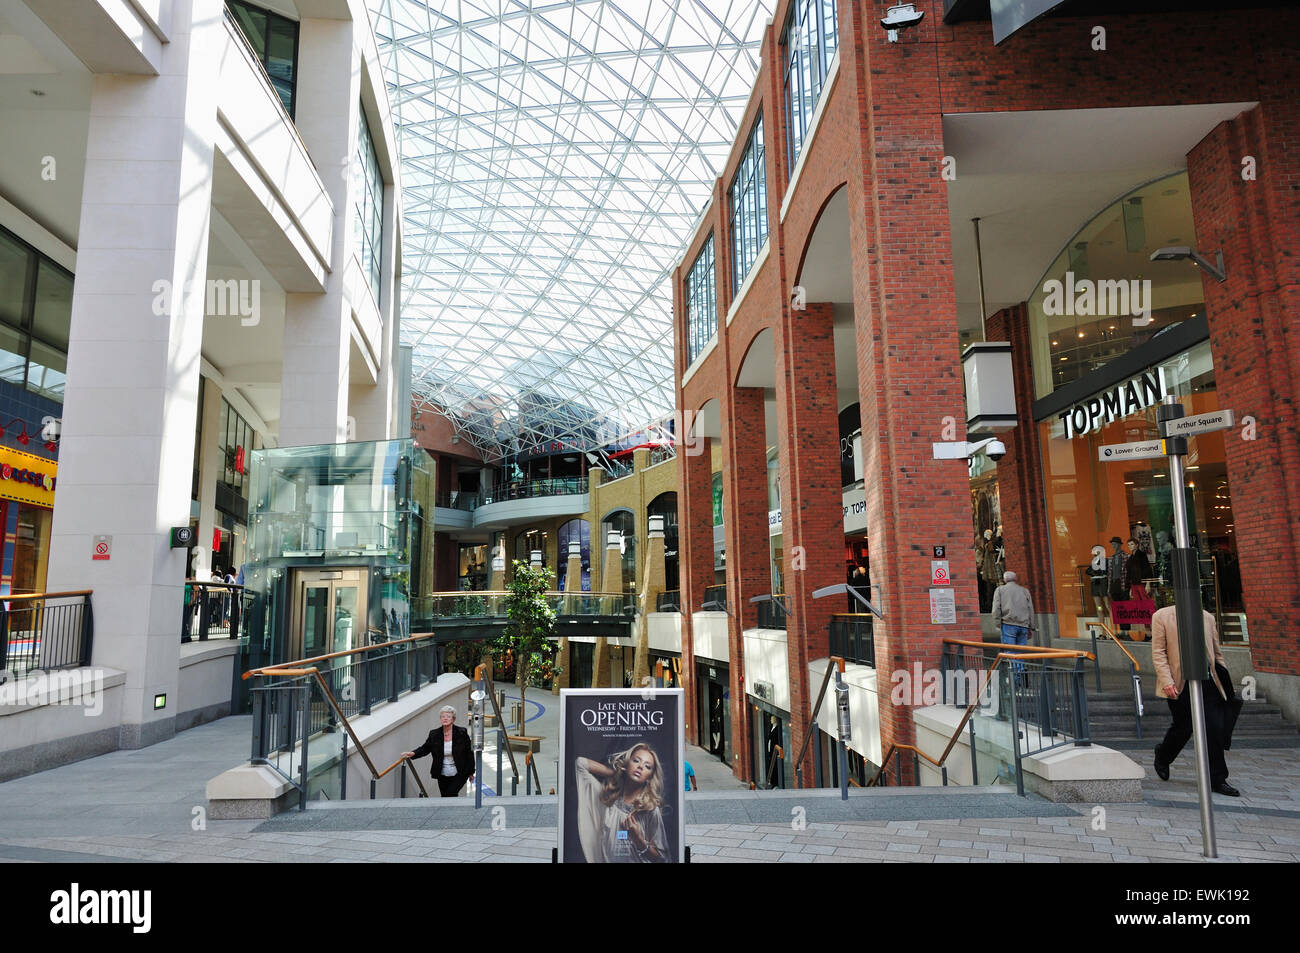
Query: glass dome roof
pixel 555 157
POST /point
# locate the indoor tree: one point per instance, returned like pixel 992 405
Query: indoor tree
pixel 532 621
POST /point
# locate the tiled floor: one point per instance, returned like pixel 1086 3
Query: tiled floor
pixel 147 805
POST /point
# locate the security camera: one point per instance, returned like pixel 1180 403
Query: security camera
pixel 996 450
pixel 900 17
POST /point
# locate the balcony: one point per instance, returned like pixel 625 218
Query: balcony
pixel 851 638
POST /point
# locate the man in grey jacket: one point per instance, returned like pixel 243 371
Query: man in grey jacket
pixel 1013 611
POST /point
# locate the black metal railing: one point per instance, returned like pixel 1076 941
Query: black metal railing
pixel 46 630
pixel 528 489
pixel 670 601
pixel 212 610
pixel 457 500
pixel 715 598
pixel 851 637
pixel 301 709
pixel 771 613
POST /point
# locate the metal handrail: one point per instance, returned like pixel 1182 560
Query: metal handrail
pixel 48 595
pixel 1019 655
pixel 1134 670
pixel 832 663
pixel 278 669
pixel 424 792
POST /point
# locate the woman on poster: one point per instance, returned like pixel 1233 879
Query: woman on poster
pixel 620 804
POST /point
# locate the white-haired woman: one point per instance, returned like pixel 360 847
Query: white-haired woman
pixel 453 757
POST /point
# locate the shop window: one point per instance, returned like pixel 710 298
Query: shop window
pixel 624 523
pixel 1120 297
pixel 35 316
pixel 575 531
pixel 1089 502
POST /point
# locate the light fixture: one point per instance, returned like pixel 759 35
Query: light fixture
pixel 1056 343
pixel 1183 252
pixel 1080 334
pixel 900 17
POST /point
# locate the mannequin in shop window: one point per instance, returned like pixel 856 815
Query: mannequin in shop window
pixel 1000 547
pixel 989 567
pixel 1116 567
pixel 1137 571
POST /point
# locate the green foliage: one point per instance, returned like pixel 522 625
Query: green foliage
pixel 532 619
pixel 471 606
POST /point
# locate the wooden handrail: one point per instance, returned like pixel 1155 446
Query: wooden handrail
pixel 1106 629
pixel 48 595
pixel 424 792
pixel 279 669
pixel 1036 651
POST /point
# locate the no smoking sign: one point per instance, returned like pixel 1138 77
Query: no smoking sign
pixel 103 548
pixel 939 575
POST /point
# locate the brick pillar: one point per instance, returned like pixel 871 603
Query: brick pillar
pixel 694 554
pixel 811 498
pixel 744 471
pixel 1255 341
pixel 1022 488
pixel 909 367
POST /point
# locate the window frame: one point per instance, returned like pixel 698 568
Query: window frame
pixel 806 63
pixel 700 296
pixel 747 206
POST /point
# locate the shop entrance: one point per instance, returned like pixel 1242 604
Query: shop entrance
pixel 328 612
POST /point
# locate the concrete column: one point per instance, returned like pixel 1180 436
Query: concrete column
pixel 125 465
pixel 572 584
pixel 317 327
pixel 811 498
pixel 611 580
pixel 210 467
pixel 652 585
pixel 1255 341
pixel 497 576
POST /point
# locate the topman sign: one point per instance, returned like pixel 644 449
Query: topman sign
pixel 1137 393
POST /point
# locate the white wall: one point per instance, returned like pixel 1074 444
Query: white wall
pixel 709 635
pixel 665 631
pixel 864 707
pixel 767 659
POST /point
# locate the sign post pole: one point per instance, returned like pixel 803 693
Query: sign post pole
pixel 1191 625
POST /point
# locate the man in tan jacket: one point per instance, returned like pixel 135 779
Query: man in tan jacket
pixel 1171 682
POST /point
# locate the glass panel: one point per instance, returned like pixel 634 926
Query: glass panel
pixel 347 624
pixel 1120 298
pixel 282 47
pixel 14 259
pixel 252 22
pixel 13 362
pixel 53 312
pixel 45 375
pixel 315 621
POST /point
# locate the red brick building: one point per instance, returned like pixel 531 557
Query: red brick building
pixel 837 266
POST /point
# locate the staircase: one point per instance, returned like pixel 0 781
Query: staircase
pixel 1110 716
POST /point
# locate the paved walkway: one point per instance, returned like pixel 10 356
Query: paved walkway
pixel 149 805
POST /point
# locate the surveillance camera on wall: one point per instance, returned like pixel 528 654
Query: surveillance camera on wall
pixel 996 450
pixel 900 17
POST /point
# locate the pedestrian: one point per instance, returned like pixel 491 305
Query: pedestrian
pixel 1171 682
pixel 1013 611
pixel 689 777
pixel 456 765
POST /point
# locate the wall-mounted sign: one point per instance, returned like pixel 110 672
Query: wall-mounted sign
pixel 102 548
pixel 1128 397
pixel 943 607
pixel 1138 450
pixel 939 575
pixel 27 478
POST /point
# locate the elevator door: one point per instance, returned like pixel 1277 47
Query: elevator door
pixel 329 613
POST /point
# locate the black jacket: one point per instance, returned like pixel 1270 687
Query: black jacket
pixel 462 752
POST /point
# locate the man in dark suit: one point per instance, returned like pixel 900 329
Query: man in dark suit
pixel 453 756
